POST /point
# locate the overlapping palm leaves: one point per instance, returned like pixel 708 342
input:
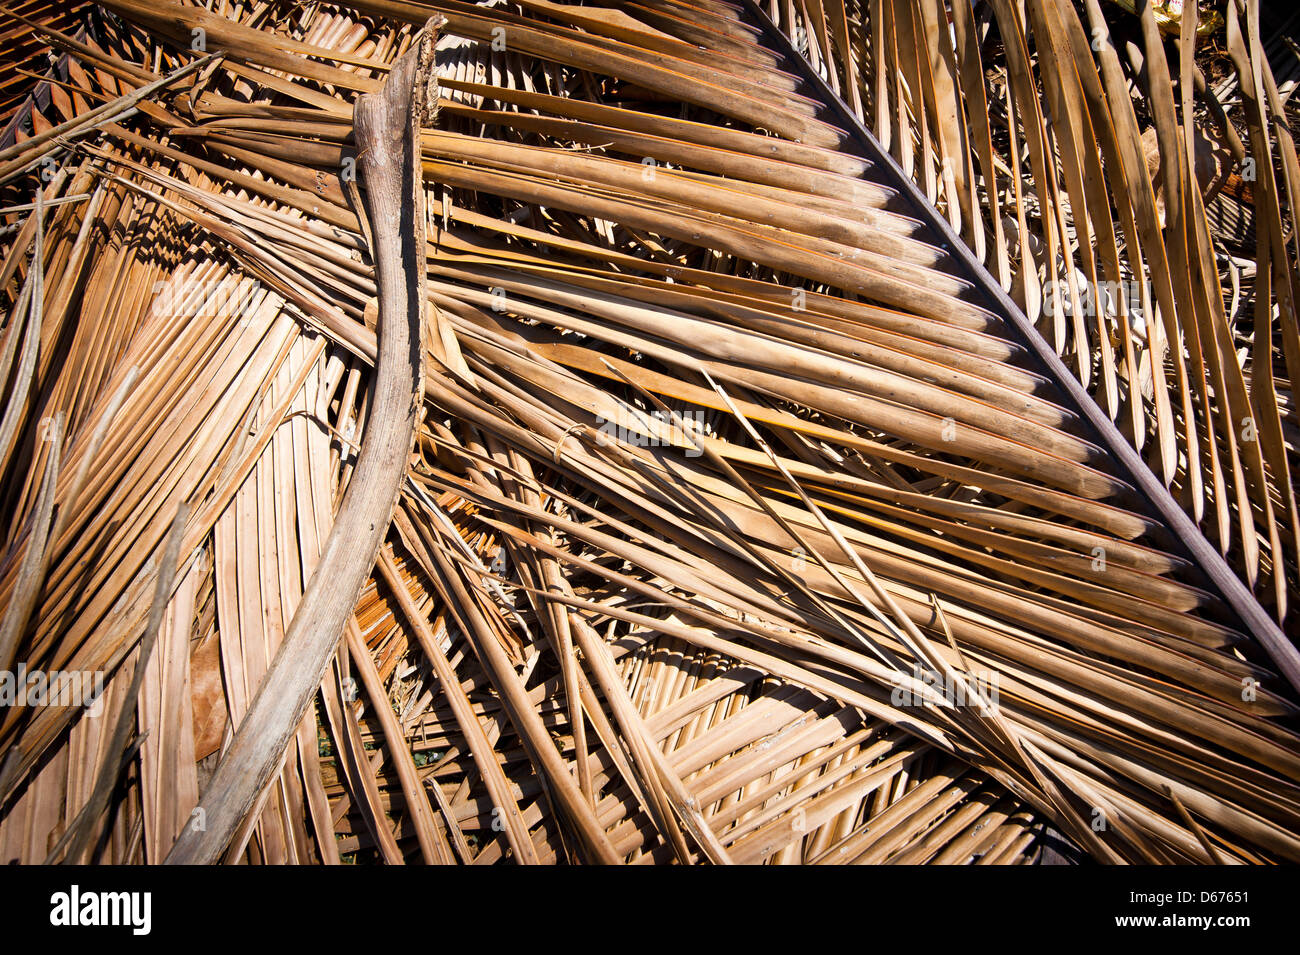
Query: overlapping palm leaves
pixel 738 528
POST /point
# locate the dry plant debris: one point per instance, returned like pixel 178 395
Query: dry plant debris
pixel 673 431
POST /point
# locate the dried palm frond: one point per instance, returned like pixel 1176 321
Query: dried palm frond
pixel 745 520
pixel 1079 155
